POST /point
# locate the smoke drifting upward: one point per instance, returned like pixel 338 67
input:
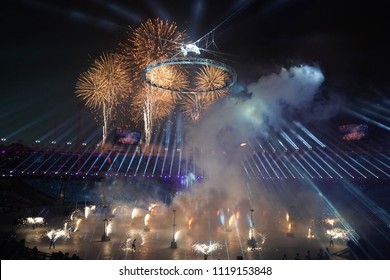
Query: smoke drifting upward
pixel 233 121
pixel 294 88
pixel 272 97
pixel 207 206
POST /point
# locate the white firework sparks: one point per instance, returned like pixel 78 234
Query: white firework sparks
pixel 310 233
pixel 58 233
pixel 34 221
pixel 126 245
pixel 259 238
pixel 77 225
pixel 338 233
pixel 135 213
pixel 76 214
pixel 330 221
pixel 177 235
pixel 146 220
pixel 206 249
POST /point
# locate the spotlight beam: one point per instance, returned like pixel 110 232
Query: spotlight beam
pixel 123 159
pixel 326 172
pixel 115 159
pixel 342 168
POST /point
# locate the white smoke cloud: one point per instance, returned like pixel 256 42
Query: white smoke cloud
pixel 233 120
pixel 294 87
pixel 218 134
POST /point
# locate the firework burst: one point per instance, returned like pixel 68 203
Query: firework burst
pixel 209 78
pixel 194 106
pixel 169 77
pixel 104 87
pixel 153 41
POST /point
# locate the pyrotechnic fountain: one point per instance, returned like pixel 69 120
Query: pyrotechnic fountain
pixel 202 225
pixel 105 236
pixel 230 223
pixel 34 221
pixel 55 234
pixel 205 249
pixel 146 222
pixel 160 79
pixel 309 233
pixel 252 241
pixel 289 232
pixel 174 243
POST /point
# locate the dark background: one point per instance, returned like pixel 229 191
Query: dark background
pixel 46 45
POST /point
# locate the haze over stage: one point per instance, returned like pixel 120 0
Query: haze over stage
pixel 295 152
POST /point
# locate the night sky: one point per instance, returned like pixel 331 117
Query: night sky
pixel 46 45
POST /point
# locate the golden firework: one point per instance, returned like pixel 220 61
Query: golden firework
pixel 150 99
pixel 106 83
pixel 104 87
pixel 193 106
pixel 169 77
pixel 211 78
pixel 153 41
